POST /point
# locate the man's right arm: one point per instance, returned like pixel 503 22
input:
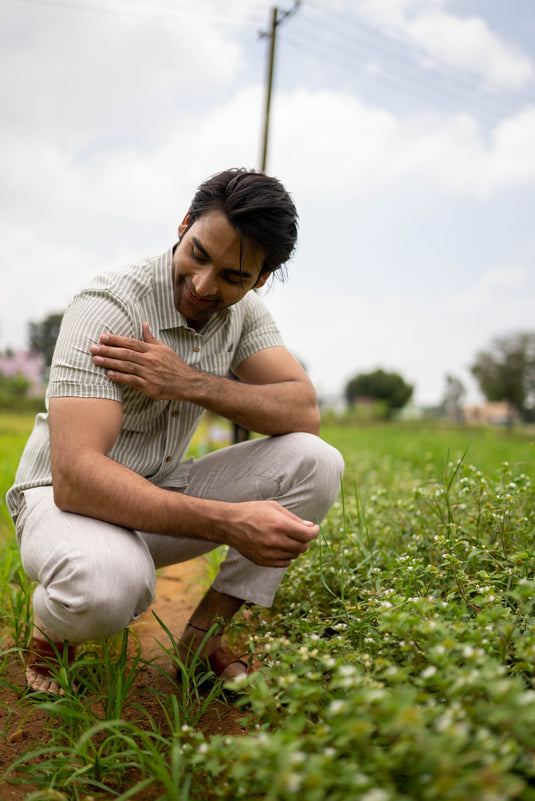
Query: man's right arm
pixel 86 481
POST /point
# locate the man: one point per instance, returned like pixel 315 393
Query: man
pixel 103 496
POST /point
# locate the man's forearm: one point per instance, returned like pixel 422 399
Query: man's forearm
pixel 96 486
pixel 279 408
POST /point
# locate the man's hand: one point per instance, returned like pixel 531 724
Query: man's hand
pixel 268 534
pixel 149 366
pixel 274 394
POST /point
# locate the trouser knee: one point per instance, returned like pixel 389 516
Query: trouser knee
pixel 80 604
pixel 314 471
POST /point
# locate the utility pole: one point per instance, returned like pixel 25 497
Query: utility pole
pixel 275 21
pixel 241 434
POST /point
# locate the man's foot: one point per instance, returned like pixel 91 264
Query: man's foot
pixel 227 666
pixel 42 666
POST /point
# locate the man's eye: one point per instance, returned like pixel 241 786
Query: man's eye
pixel 233 278
pixel 198 256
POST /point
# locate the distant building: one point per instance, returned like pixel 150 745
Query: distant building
pixel 496 413
pixel 30 365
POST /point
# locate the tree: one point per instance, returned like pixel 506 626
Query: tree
pixel 390 388
pixel 452 399
pixel 506 372
pixel 43 336
pixel 13 387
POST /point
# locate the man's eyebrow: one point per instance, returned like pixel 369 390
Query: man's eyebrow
pixel 201 248
pixel 240 272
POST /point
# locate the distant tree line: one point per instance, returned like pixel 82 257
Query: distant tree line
pixel 504 372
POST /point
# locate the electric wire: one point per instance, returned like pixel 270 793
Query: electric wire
pixel 440 94
pixel 343 42
pixel 347 27
pixel 192 12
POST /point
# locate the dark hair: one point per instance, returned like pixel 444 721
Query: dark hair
pixel 257 206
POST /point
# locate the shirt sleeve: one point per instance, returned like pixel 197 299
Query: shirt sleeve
pixel 259 330
pixel 73 373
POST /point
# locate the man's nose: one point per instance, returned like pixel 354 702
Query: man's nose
pixel 205 283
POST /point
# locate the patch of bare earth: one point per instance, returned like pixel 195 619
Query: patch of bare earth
pixel 178 591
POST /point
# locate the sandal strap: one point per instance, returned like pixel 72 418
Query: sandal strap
pixel 204 631
pixel 197 628
pixel 222 657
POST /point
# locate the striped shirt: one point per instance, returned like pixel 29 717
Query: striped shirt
pixel 154 434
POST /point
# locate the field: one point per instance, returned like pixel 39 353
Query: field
pixel 398 662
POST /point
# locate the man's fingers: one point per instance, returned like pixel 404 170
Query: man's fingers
pixel 304 533
pixel 111 355
pixel 115 341
pixel 303 530
pixel 147 334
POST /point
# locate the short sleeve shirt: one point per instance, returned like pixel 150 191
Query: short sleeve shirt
pixel 155 434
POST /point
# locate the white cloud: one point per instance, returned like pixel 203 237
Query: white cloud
pixel 331 141
pixel 338 334
pixel 498 290
pixel 84 79
pixel 85 215
pixel 468 44
pixel 465 43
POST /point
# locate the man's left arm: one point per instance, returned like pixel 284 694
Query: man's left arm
pixel 274 394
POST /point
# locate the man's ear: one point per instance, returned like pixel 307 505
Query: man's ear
pixel 183 225
pixel 262 278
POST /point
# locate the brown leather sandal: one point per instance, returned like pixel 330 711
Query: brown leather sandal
pixel 44 658
pixel 221 658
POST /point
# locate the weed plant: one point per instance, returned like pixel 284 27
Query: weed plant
pixel 398 660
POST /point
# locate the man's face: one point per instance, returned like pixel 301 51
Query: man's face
pixel 207 274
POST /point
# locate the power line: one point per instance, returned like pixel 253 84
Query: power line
pixel 338 39
pixel 192 12
pixel 344 26
pixel 409 81
pixel 350 48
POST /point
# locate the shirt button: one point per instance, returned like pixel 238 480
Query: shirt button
pixel 175 412
pixel 196 349
pixel 168 459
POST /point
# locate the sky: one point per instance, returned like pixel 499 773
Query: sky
pixel 404 130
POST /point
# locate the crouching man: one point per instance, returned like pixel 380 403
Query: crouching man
pixel 104 496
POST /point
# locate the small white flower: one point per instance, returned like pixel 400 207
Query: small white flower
pixel 292 782
pixel 429 671
pixel 335 706
pixel 375 795
pixel 297 758
pixel 526 698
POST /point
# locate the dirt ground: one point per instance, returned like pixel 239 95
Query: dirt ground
pixel 178 590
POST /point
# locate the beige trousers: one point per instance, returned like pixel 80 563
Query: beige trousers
pixel 94 578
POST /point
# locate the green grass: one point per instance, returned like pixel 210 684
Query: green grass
pixel 14 431
pixel 399 658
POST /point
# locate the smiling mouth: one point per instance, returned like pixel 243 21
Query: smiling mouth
pixel 194 299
